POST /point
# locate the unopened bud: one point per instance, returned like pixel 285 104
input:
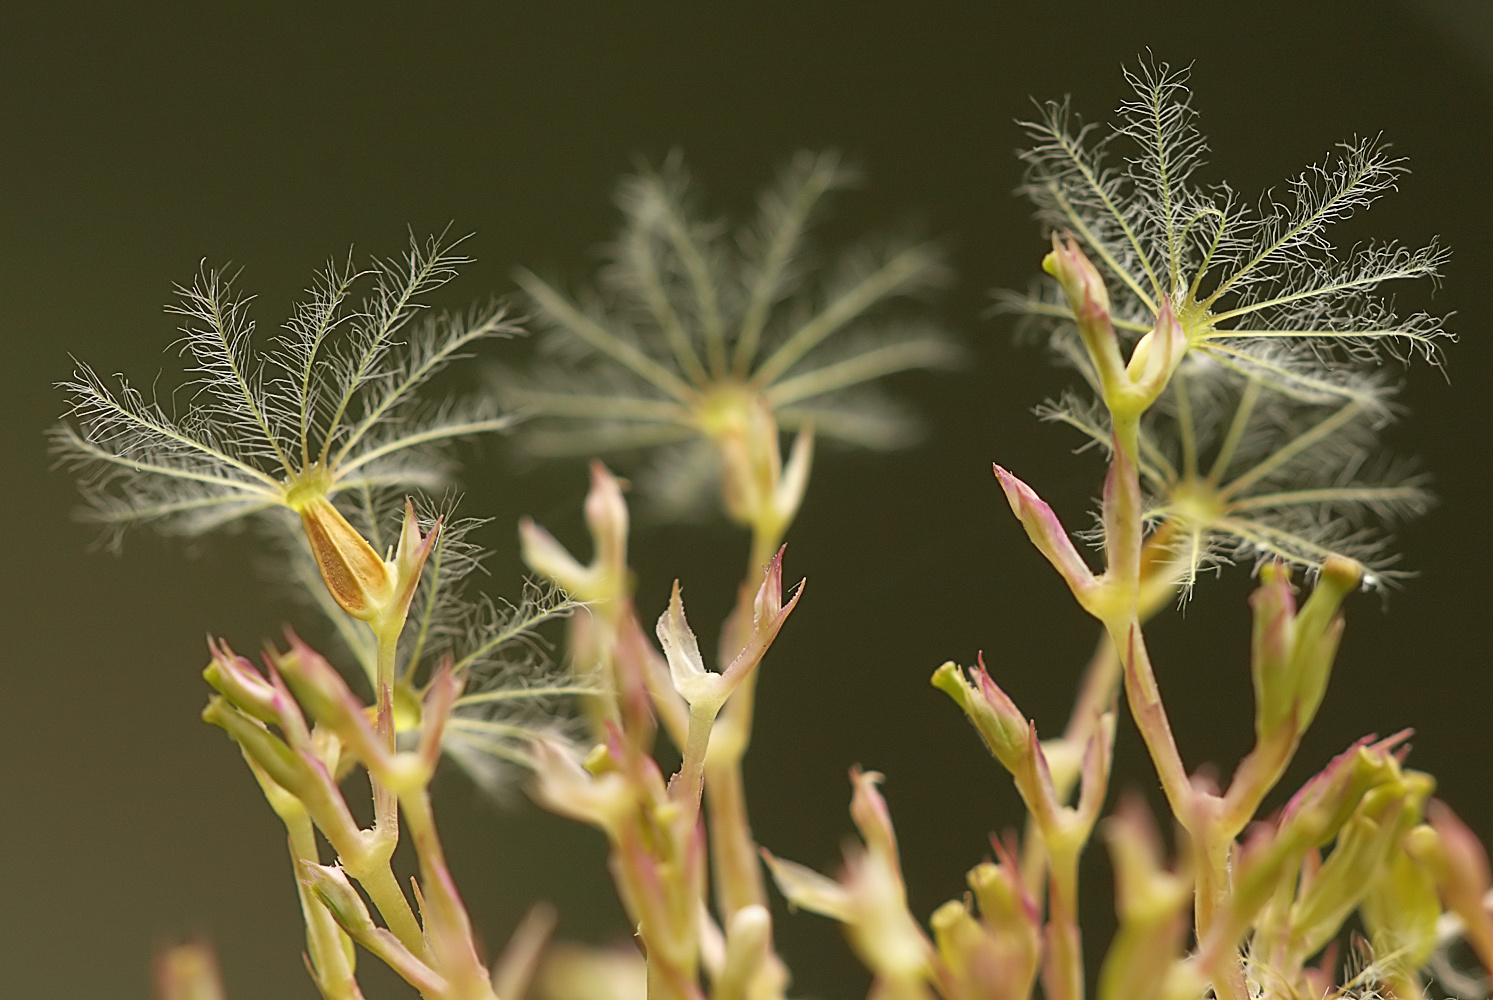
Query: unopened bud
pixel 1076 274
pixel 188 972
pixel 606 516
pixel 1047 534
pixel 1401 908
pixel 995 716
pixel 329 884
pixel 1089 301
pixel 244 687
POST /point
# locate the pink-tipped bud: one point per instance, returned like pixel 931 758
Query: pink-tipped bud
pixel 188 972
pixel 244 687
pixel 606 579
pixel 547 557
pixel 1077 275
pixel 1322 805
pixel 995 716
pixel 1089 301
pixel 607 517
pixel 330 701
pixel 1460 863
pixel 440 697
pixel 869 897
pixel 1294 652
pixel 769 612
pixel 1098 755
pixel 1047 534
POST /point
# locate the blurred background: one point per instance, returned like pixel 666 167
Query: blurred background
pixel 134 142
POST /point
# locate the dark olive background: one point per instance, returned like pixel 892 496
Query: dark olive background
pixel 134 143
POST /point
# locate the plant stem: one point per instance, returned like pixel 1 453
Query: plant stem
pixel 1062 976
pixel 733 851
pixel 376 877
pixel 692 768
pixel 1146 708
pixel 448 927
pixel 385 803
pixel 333 967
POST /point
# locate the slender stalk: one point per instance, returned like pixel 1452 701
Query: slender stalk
pixel 385 804
pixel 1212 845
pixel 735 864
pixel 691 780
pixel 449 929
pixel 1062 974
pixel 334 971
pixel 1144 698
pixel 378 880
pixel 1101 681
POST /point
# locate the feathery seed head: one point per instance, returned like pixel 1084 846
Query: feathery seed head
pixel 330 408
pixel 704 340
pixel 1253 372
pixel 1260 291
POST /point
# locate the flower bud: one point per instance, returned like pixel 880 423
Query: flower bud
pixel 1076 274
pixel 409 561
pixel 1089 301
pixel 330 885
pixel 1322 805
pixel 331 702
pixel 869 898
pixel 1006 904
pixel 606 579
pixel 1362 848
pixel 1047 534
pixel 1460 863
pixel 1274 608
pixel 972 959
pixel 748 935
pixel 606 516
pixel 188 972
pixel 244 687
pixel 1401 909
pixel 995 716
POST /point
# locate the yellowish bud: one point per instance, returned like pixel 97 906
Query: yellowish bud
pixel 358 580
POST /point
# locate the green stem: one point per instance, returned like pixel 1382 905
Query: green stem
pixel 385 803
pixel 1062 977
pixel 332 965
pixel 377 879
pixel 1197 814
pixel 448 927
pixel 738 878
pixel 691 780
pixel 1146 708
